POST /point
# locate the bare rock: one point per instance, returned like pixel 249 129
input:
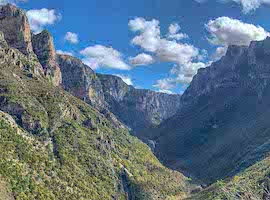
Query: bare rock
pixel 15 26
pixel 43 46
pixel 81 81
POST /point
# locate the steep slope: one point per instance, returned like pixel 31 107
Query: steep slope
pixel 55 146
pixel 44 49
pixel 138 109
pixel 38 49
pixel 81 81
pixel 252 183
pixel 222 126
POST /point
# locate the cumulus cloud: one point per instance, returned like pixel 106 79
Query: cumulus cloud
pixel 38 19
pixel 168 49
pixel 149 39
pixel 126 79
pixel 165 84
pixel 226 31
pixel 101 56
pixel 72 37
pixel 174 32
pixel 141 59
pixel 64 52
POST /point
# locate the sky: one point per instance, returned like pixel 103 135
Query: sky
pixel 153 44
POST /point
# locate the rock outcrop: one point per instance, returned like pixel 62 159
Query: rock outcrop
pixel 3 42
pixel 222 126
pixel 16 34
pixel 137 108
pixel 43 46
pixel 81 81
pixel 14 24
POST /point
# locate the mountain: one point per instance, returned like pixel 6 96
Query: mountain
pixel 54 145
pixel 222 126
pixel 136 108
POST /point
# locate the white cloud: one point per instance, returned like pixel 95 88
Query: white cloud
pixel 174 32
pixel 149 38
pixel 171 51
pixel 168 49
pixel 165 84
pixel 72 37
pixel 101 56
pixel 250 5
pixel 38 19
pixel 220 51
pixel 184 74
pixel 64 52
pixel 247 5
pixel 166 91
pixel 126 79
pixel 226 31
pixel 4 2
pixel 141 59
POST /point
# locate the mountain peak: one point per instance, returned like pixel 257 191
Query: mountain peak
pixel 16 28
pixel 43 46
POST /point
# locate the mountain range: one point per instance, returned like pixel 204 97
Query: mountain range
pixel 67 132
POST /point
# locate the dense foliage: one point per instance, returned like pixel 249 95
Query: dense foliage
pixel 59 147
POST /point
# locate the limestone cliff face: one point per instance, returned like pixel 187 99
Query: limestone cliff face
pixel 12 56
pixel 15 30
pixel 43 46
pixel 81 81
pixel 138 109
pixel 222 126
pixel 15 26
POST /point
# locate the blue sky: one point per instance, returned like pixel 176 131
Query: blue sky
pixel 102 33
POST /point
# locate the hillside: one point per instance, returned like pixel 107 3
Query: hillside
pixel 222 126
pixel 252 183
pixel 54 145
pixel 138 109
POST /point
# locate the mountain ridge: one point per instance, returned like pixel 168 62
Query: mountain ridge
pixel 223 117
pixel 55 146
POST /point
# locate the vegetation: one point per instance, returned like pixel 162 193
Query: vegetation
pixel 50 152
pixel 247 185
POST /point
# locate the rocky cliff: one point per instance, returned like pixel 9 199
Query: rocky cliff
pixel 56 146
pixel 138 109
pixel 81 81
pixel 14 24
pixel 43 46
pixel 222 126
pixel 38 49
